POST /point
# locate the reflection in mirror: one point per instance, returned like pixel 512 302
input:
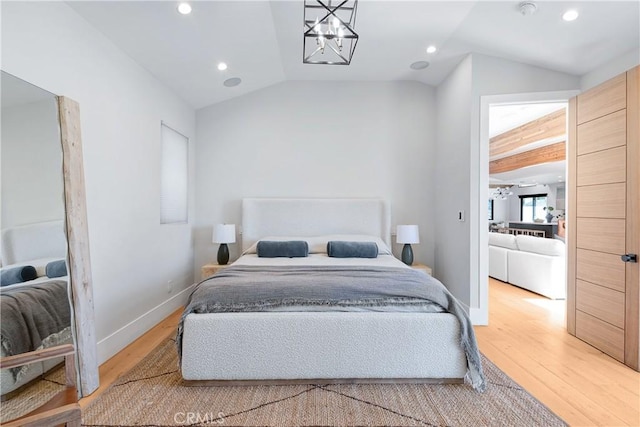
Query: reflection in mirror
pixel 35 310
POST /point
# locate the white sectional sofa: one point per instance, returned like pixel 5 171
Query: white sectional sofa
pixel 534 263
pixel 499 246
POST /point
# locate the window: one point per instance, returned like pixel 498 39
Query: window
pixel 174 177
pixel 532 207
pixel 490 215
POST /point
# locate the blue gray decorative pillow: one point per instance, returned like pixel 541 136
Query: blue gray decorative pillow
pixel 56 268
pixel 286 249
pixel 341 249
pixel 18 275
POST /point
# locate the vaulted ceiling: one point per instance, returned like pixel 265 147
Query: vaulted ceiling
pixel 261 41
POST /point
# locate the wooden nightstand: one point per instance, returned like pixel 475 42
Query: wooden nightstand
pixel 421 267
pixel 211 269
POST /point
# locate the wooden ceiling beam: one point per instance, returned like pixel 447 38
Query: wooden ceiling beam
pixel 546 154
pixel 550 126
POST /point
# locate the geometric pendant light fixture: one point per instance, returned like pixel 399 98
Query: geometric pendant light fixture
pixel 329 35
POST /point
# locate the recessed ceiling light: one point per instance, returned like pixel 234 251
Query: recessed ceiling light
pixel 570 15
pixel 184 8
pixel 222 66
pixel 431 49
pixel 233 81
pixel 419 65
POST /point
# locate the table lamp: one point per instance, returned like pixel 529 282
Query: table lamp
pixel 223 234
pixel 407 234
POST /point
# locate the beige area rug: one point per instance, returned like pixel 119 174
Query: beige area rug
pixel 32 395
pixel 152 394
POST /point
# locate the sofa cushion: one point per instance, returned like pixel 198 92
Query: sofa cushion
pixel 498 263
pixel 540 245
pixel 543 274
pixel 503 240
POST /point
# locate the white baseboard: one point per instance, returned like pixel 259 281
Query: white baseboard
pixel 479 316
pixel 109 346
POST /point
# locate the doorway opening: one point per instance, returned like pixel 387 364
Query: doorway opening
pixel 527 176
pixel 522 176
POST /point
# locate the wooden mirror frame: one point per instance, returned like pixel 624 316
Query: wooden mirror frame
pixel 78 246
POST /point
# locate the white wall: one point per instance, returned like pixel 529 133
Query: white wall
pixel 121 106
pixel 458 158
pixel 452 179
pixel 610 69
pixel 318 139
pixel 32 185
pixel 561 197
pixel 500 208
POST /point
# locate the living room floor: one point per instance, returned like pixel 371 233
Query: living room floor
pixel 527 339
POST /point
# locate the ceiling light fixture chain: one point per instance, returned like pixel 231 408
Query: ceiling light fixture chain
pixel 331 26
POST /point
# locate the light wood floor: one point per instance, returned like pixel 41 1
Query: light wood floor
pixel 526 338
pixel 133 353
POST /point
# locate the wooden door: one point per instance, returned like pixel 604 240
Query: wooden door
pixel 604 217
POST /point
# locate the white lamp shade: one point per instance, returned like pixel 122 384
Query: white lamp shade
pixel 224 233
pixel 407 234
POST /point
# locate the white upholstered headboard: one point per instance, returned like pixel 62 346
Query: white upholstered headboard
pixel 33 241
pixel 314 217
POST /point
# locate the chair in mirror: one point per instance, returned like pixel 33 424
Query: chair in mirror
pixel 39 301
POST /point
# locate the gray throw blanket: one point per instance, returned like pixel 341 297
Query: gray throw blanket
pixel 250 289
pixel 30 314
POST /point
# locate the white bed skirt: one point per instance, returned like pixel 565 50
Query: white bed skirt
pixel 322 345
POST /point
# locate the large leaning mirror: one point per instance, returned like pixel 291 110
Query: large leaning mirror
pixel 46 279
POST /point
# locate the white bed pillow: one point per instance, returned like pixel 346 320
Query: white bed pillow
pixel 318 244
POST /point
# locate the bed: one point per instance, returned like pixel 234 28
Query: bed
pixel 35 313
pixel 400 339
